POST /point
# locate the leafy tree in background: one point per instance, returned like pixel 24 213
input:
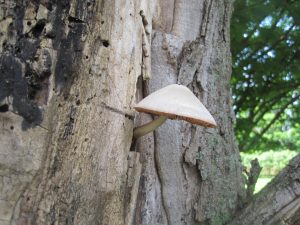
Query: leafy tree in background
pixel 266 73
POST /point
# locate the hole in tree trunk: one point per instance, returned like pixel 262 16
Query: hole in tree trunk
pixel 4 108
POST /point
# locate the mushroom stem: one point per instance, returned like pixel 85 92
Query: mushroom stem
pixel 148 127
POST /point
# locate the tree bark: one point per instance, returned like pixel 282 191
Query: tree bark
pixel 77 63
pixel 278 203
pixel 69 78
pixel 191 175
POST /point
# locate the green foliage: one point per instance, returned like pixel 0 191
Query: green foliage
pixel 270 161
pixel 266 73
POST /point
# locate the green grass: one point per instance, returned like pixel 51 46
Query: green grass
pixel 261 183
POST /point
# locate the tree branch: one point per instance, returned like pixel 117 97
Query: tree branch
pixel 283 190
pixel 245 41
pixel 267 106
pixel 275 118
pixel 253 175
pixel 276 43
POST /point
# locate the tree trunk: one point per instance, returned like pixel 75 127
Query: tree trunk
pixel 191 175
pixel 278 203
pixel 69 78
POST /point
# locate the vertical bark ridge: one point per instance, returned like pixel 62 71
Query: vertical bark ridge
pixel 159 176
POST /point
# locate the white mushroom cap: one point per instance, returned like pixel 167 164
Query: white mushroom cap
pixel 177 102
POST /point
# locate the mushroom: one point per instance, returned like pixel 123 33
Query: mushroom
pixel 173 102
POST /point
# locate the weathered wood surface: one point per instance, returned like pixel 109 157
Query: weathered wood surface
pixel 76 63
pixel 69 78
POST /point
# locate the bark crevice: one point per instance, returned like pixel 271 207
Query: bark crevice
pixel 160 179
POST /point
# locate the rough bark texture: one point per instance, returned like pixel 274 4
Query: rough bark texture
pixel 76 63
pixel 278 203
pixel 68 77
pixel 191 175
